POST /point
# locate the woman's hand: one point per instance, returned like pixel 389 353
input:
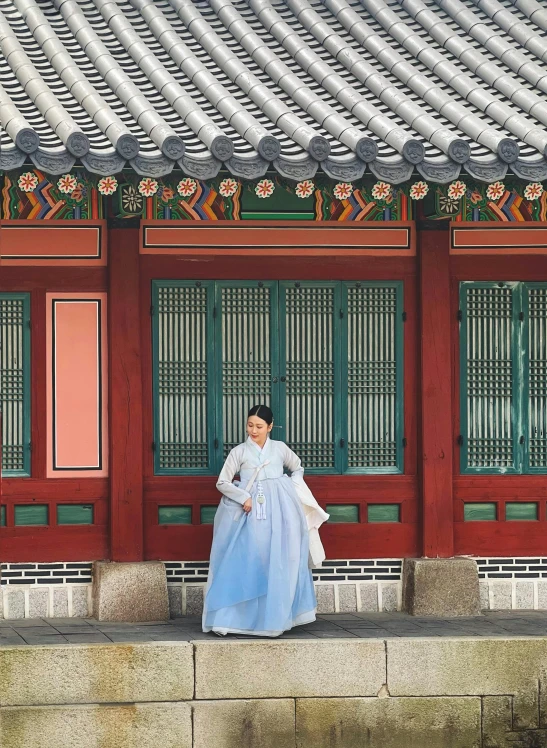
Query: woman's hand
pixel 248 505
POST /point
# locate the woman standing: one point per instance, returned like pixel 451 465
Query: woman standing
pixel 265 538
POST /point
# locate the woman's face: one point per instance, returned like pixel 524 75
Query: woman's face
pixel 258 430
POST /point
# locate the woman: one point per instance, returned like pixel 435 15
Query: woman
pixel 265 539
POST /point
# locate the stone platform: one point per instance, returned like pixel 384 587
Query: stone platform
pixel 345 681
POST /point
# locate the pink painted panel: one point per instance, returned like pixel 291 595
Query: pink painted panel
pixel 77 414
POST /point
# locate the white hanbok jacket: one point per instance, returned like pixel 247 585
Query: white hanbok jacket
pixel 249 461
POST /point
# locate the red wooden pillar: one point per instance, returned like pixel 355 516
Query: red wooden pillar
pixel 126 464
pixel 436 393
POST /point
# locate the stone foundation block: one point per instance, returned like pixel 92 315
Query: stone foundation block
pixel 388 723
pixel 472 667
pixel 101 673
pixel 127 726
pixel 14 603
pixel 389 598
pixel 524 595
pixel 325 598
pixel 502 595
pixel 244 724
pixel 441 587
pixel 347 598
pixel 60 603
pixel 484 594
pixel 175 601
pixel 130 592
pixel 194 600
pixel 279 669
pixel 542 594
pixel 369 597
pixel 496 720
pixel 38 603
pixel 80 603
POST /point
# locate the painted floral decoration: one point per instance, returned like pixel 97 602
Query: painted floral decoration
pixel 227 187
pixel 186 187
pixel 28 181
pixel 265 188
pixel 457 189
pixel 132 202
pixel 167 194
pixel 79 192
pixel 107 185
pixel 476 197
pixel 343 190
pixel 449 204
pixel 304 189
pixel 533 191
pixel 148 187
pixel 381 190
pixel 495 190
pixel 67 184
pixel 419 190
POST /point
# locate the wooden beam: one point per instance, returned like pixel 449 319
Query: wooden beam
pixel 126 466
pixel 436 394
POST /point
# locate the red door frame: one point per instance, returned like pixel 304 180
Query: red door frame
pixel 499 538
pixel 361 540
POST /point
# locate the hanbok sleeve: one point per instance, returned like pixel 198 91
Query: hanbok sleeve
pixel 315 515
pixel 293 463
pixel 229 470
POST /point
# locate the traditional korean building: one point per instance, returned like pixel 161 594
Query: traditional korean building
pixel 333 207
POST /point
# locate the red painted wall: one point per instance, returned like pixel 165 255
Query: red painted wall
pixel 431 492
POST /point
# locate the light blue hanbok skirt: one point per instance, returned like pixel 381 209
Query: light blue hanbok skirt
pixel 259 580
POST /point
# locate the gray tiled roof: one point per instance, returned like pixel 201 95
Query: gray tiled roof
pixel 345 85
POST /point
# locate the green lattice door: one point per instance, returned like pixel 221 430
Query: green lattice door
pixel 535 374
pixel 503 377
pixel 246 342
pixel 310 378
pixel 15 383
pixel 184 365
pixel 373 378
pixel 326 356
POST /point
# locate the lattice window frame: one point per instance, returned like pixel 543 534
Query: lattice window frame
pixel 388 298
pixel 534 335
pixel 331 418
pixel 163 423
pixel 281 373
pixel 519 369
pixel 269 370
pixel 23 426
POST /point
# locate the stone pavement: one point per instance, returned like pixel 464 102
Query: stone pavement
pixel 49 631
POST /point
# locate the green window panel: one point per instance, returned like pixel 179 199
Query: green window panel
pixel 326 356
pixel 503 350
pixel 31 514
pixel 207 514
pixel 374 378
pixel 15 383
pixel 174 515
pixel 384 513
pixel 537 378
pixel 311 357
pixel 343 512
pixel 480 511
pixel 247 346
pixel 75 514
pixel 2 516
pixel 521 510
pixel 183 361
